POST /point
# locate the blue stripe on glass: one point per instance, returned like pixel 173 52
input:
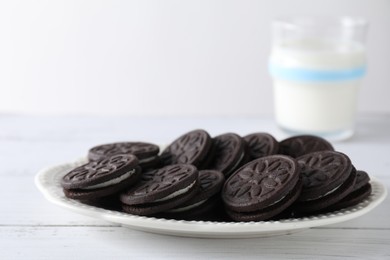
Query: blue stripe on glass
pixel 299 74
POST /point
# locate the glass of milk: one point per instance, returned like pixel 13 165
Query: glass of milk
pixel 317 65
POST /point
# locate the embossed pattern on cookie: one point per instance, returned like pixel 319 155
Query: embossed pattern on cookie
pixel 98 171
pixel 101 178
pixel 163 182
pixel 261 144
pixel 323 172
pixel 190 148
pixel 162 179
pixel 139 149
pixel 303 144
pixel 260 183
pixel 230 153
pixel 225 152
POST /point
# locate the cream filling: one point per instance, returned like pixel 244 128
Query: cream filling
pixel 111 182
pixel 273 203
pixel 187 207
pixel 177 193
pixel 147 159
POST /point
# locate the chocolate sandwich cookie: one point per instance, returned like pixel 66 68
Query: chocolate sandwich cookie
pixel 205 202
pixel 303 144
pixel 261 144
pixel 328 176
pixel 146 153
pixel 262 188
pixel 361 191
pixel 191 148
pixel 230 153
pixel 161 190
pixel 101 178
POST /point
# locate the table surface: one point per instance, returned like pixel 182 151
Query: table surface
pixel 33 228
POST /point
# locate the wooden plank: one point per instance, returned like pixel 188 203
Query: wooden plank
pixel 118 243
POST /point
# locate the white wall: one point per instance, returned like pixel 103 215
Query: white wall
pixel 161 57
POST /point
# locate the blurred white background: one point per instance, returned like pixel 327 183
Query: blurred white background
pixel 195 58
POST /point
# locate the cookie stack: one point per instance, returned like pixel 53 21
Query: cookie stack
pixel 222 178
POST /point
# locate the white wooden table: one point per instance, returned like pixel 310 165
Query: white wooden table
pixel 33 228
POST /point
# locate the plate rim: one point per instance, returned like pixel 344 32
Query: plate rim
pixel 44 181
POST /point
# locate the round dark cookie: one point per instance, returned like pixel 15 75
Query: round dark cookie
pixel 211 183
pixel 140 149
pixel 322 172
pixel 303 144
pixel 353 198
pixel 101 178
pixel 97 172
pixel 210 210
pixel 153 208
pixel 230 153
pixel 161 183
pixel 110 202
pixel 362 178
pixel 209 158
pixel 99 193
pixel 261 144
pixel 330 198
pixel 148 175
pixel 273 210
pixel 361 191
pixel 190 148
pixel 260 183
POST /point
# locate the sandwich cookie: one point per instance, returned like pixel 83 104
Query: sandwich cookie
pixel 262 189
pixel 146 153
pixel 161 190
pixel 101 178
pixel 361 191
pixel 303 144
pixel 191 148
pixel 328 176
pixel 260 145
pixel 206 203
pixel 230 153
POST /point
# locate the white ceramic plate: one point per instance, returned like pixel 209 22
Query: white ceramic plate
pixel 48 182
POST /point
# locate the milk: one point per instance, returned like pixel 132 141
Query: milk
pixel 316 83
